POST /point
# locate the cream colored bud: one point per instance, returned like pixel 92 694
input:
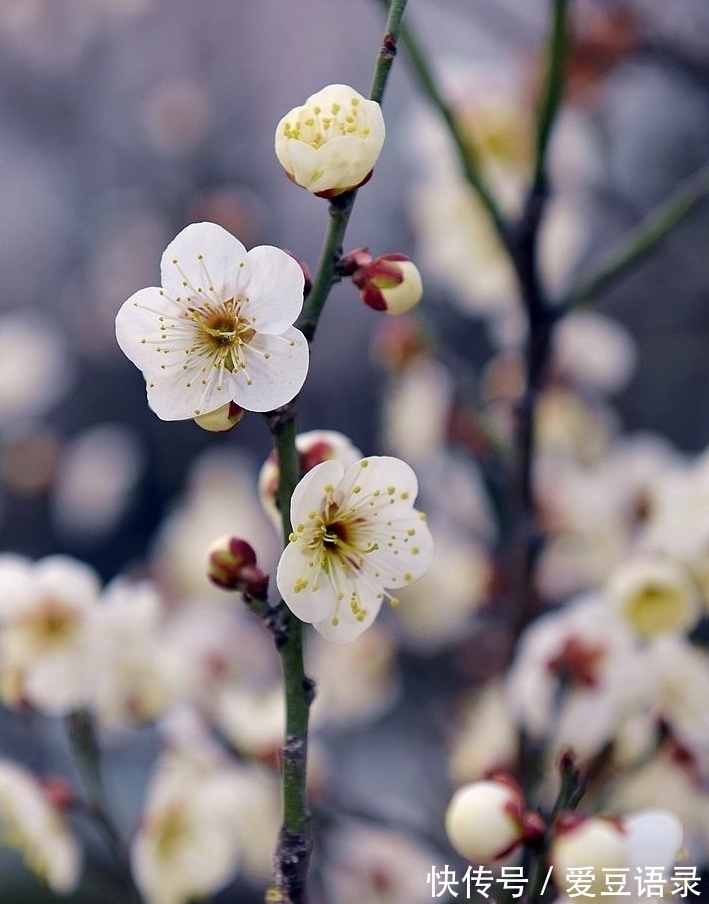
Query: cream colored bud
pixel 330 144
pixel 597 844
pixel 221 419
pixel 402 297
pixel 484 820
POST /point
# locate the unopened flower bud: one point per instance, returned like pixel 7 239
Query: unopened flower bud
pixel 221 420
pixel 232 566
pixel 59 792
pixel 389 283
pixel 601 844
pixel 398 342
pixel 485 821
pixel 596 841
pixel 330 144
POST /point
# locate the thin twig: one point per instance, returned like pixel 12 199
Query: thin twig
pixel 637 244
pixel 294 844
pixel 468 160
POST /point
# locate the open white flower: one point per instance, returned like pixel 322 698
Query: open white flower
pixel 331 143
pixel 44 640
pixel 187 845
pixel 220 328
pixel 355 532
pixel 655 595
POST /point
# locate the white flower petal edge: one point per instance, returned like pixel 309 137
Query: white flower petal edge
pixel 355 535
pixel 220 328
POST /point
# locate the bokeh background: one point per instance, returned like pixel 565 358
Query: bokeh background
pixel 124 120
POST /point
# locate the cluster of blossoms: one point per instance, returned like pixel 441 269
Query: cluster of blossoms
pixel 615 672
pixel 487 822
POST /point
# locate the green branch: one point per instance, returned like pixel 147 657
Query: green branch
pixel 341 205
pixel 552 93
pixel 81 731
pixel 292 853
pixel 424 74
pixel 639 242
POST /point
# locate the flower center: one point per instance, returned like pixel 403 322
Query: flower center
pixel 52 623
pixel 656 608
pixel 315 126
pixel 577 664
pixel 171 829
pixel 223 332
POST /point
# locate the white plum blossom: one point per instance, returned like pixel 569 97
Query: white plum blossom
pixel 30 822
pixel 132 677
pixel 355 532
pixel 330 144
pixel 655 595
pixel 378 865
pixel 220 329
pixel 188 843
pixel 45 612
pixel 577 676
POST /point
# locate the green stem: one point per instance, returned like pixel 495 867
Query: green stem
pixel 326 275
pixel 84 744
pixel 639 242
pixel 294 843
pixel 468 160
pixel 341 205
pixel 552 94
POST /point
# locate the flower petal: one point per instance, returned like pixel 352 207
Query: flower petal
pixel 274 283
pixel 653 838
pixel 203 256
pixel 294 576
pixel 276 367
pixel 347 626
pixel 309 495
pixel 140 326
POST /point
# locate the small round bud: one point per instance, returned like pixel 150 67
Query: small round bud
pixel 232 566
pixel 485 820
pixel 596 842
pixel 59 792
pixel 390 283
pixel 398 342
pixel 221 420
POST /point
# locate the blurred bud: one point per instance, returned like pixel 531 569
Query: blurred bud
pixel 221 420
pixel 330 144
pixel 59 792
pixel 232 566
pixel 485 821
pixel 398 342
pixel 389 283
pixel 313 447
pixel 647 839
pixel 595 841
